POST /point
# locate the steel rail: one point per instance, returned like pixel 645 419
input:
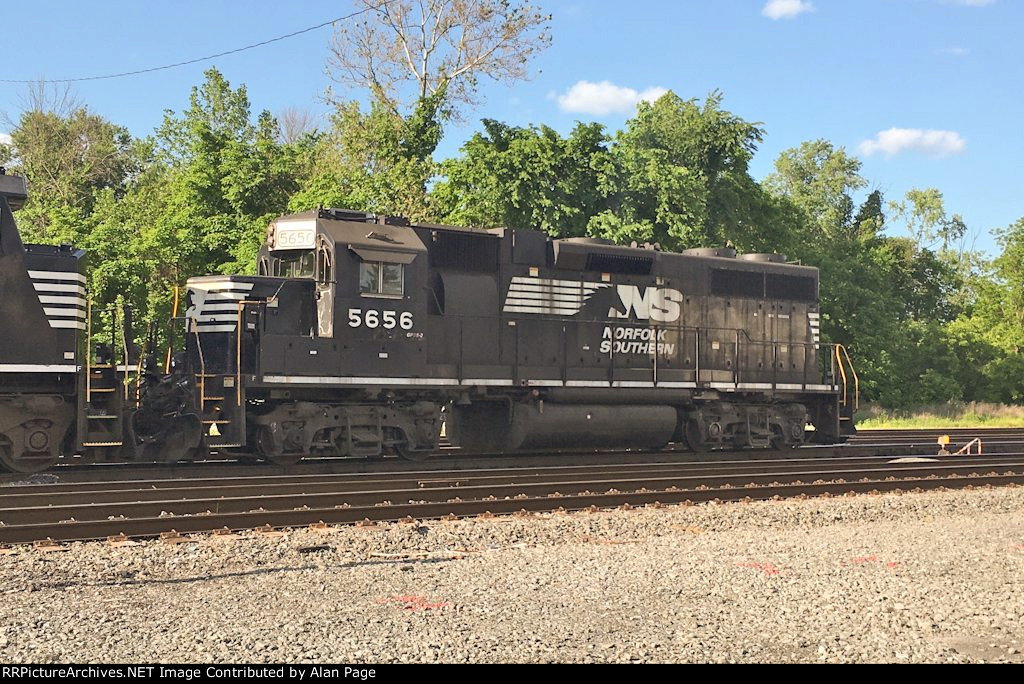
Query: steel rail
pixel 454 459
pixel 152 518
pixel 152 527
pixel 173 490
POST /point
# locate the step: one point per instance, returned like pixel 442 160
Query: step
pixel 102 444
pixel 102 417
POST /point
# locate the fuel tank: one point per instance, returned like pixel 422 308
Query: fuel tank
pixel 494 426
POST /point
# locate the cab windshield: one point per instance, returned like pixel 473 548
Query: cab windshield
pixel 302 265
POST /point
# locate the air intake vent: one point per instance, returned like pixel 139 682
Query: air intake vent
pixel 730 283
pixel 461 251
pixel 799 288
pixel 619 263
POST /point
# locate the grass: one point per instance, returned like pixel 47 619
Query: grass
pixel 951 415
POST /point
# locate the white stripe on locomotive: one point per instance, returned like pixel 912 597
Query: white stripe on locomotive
pixel 215 304
pixel 56 291
pixel 56 275
pixel 548 296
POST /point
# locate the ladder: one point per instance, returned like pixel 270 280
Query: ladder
pixel 218 409
pixel 221 406
pixel 101 418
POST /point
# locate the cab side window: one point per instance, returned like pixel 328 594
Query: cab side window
pixel 381 279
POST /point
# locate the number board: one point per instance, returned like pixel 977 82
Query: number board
pixel 295 235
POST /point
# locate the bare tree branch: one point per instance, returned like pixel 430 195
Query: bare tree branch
pixel 295 123
pixel 408 49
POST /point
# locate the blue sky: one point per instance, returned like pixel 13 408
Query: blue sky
pixel 926 92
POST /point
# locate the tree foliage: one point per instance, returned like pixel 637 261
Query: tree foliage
pixel 926 319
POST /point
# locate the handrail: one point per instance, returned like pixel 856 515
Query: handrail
pixel 138 372
pixel 174 315
pixel 966 449
pixel 840 349
pixel 127 355
pixel 88 351
pixel 238 348
pixel 202 370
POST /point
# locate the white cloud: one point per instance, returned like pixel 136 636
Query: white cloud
pixel 972 3
pixel 933 143
pixel 605 98
pixel 5 139
pixel 956 51
pixel 786 9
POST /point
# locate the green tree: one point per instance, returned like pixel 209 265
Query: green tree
pixel 227 177
pixel 371 161
pixel 526 177
pixel 680 177
pixel 820 180
pixel 68 158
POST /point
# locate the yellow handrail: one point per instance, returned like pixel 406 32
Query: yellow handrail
pixel 174 314
pixel 966 449
pixel 856 380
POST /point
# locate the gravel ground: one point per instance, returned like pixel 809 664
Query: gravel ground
pixel 921 577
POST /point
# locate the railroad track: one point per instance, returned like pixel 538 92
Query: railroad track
pixel 81 511
pixel 867 443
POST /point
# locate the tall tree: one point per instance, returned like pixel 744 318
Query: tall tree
pixel 370 161
pixel 820 180
pixel 681 176
pixel 527 178
pixel 228 176
pixel 68 157
pixel 421 61
pixel 409 50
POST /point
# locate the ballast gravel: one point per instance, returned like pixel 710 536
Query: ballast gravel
pixel 930 577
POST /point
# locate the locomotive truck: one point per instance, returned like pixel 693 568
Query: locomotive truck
pixel 361 334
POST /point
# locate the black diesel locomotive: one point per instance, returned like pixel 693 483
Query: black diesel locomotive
pixel 362 333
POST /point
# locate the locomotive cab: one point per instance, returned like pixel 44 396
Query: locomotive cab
pixel 331 307
pixel 362 266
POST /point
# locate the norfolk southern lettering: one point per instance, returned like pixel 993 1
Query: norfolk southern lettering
pixel 645 341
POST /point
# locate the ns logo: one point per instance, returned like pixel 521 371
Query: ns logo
pixel 660 304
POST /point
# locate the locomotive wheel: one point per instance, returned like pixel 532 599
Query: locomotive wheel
pixel 409 455
pixel 779 443
pixel 22 466
pixel 694 439
pixel 265 448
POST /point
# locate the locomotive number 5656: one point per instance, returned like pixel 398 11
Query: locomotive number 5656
pixel 371 318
